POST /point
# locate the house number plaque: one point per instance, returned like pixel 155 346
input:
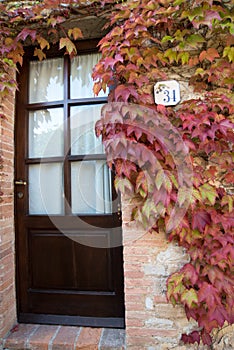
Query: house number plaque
pixel 167 92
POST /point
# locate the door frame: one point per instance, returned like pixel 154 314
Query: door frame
pixel 83 47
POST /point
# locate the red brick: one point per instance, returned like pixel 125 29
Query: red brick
pixel 65 339
pixel 88 339
pixel 41 338
pixel 133 274
pixel 135 307
pixel 17 339
pixel 160 299
pixel 139 343
pixel 134 322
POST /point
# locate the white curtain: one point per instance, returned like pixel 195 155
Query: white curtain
pixel 82 123
pixel 91 187
pixel 90 179
pixel 46 80
pixel 81 76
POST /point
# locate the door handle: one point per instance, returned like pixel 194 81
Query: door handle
pixel 21 182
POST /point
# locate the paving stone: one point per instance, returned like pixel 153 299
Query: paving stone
pixel 113 339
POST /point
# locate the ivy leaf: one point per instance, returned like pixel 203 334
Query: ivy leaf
pixel 191 338
pixel 123 93
pixel 182 195
pixel 123 185
pixel 194 39
pixel 228 200
pixel 210 55
pixel 206 338
pixel 43 42
pixel 190 274
pixel 200 219
pixel 229 53
pixel 209 294
pixel 39 53
pixel 27 32
pixel 148 208
pixel 159 178
pixel 184 57
pixel 76 33
pixel 68 44
pixel 208 192
pixel 189 297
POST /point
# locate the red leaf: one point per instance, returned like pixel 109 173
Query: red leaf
pixel 123 92
pixel 206 338
pixel 190 273
pixel 200 219
pixel 191 338
pixel 209 295
pixel 25 33
pixel 210 54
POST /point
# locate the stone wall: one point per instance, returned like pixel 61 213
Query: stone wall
pixel 7 236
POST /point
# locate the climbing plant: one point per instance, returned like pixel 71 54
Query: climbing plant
pixel 150 41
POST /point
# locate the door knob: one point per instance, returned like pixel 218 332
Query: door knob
pixel 20 182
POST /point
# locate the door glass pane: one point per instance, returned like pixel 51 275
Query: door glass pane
pixel 91 187
pixel 83 138
pixel 46 189
pixel 46 133
pixel 81 76
pixel 46 80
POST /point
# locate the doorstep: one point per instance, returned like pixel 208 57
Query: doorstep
pixel 47 337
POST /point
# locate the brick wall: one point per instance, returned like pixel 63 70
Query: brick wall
pixel 7 248
pixel 151 323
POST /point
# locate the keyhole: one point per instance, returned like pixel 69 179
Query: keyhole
pixel 20 195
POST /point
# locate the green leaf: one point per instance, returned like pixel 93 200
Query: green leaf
pixel 168 184
pixel 191 14
pixel 195 39
pixel 197 195
pixel 167 38
pixel 123 185
pixel 182 195
pixel 143 194
pixel 148 208
pixel 171 54
pixel 208 192
pixel 159 178
pixel 184 57
pixel 229 53
pixel 178 2
pixel 190 298
pixel 173 180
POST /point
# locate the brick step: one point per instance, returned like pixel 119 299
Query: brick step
pixel 47 337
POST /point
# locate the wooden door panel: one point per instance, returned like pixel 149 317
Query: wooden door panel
pixel 89 268
pixel 53 251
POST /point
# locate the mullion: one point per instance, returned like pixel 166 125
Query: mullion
pixel 86 157
pixel 67 141
pixel 44 160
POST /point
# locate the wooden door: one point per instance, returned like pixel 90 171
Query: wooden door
pixel 69 240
